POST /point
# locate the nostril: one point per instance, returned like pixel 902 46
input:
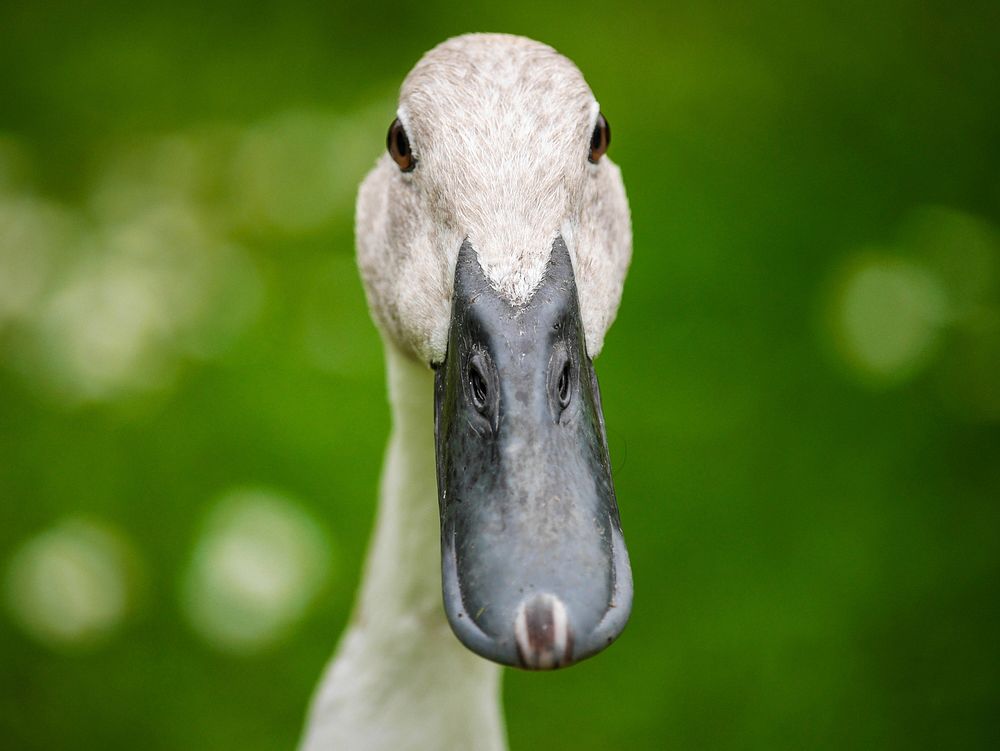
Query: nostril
pixel 481 387
pixel 477 386
pixel 561 378
pixel 563 387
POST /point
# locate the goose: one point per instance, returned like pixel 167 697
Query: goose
pixel 493 240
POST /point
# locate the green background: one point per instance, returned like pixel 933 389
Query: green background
pixel 802 388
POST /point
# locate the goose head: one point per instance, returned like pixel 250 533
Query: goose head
pixel 493 241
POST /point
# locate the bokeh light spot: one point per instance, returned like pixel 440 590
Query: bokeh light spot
pixel 32 235
pixel 170 169
pixel 258 564
pixel 962 250
pixel 139 296
pixel 73 584
pixel 299 170
pixel 886 315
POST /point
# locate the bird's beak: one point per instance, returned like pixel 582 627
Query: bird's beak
pixel 534 566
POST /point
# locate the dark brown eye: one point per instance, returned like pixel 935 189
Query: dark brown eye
pixel 600 139
pixel 399 146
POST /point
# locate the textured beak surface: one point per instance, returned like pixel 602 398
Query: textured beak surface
pixel 534 566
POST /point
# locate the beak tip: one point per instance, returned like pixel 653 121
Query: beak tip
pixel 543 633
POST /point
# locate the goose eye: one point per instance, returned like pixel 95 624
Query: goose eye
pixel 600 139
pixel 399 146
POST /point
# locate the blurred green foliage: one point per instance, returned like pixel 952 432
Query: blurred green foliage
pixel 802 389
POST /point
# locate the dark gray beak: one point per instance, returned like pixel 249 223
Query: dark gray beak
pixel 534 566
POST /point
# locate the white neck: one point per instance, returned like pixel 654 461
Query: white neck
pixel 400 679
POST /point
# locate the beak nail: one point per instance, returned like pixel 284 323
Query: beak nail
pixel 543 634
